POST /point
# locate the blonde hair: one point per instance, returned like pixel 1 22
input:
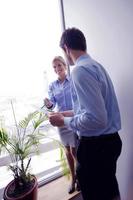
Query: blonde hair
pixel 61 59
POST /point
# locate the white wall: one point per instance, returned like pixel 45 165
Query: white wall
pixel 108 27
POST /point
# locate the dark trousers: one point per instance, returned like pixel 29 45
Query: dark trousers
pixel 96 168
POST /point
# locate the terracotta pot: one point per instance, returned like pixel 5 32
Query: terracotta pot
pixel 30 195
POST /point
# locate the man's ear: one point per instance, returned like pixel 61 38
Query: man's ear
pixel 66 49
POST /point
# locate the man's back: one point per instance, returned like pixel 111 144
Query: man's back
pixel 96 99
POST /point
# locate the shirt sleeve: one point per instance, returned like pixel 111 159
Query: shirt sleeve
pixel 92 113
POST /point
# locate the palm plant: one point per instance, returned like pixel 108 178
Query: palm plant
pixel 21 146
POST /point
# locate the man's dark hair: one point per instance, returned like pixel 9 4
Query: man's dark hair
pixel 74 39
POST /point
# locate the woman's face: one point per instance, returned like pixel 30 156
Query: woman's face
pixel 59 68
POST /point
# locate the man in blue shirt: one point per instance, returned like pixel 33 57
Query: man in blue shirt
pixel 96 119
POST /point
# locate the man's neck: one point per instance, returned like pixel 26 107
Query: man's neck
pixel 76 54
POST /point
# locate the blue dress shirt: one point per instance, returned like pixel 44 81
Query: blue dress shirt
pixel 60 94
pixel 95 104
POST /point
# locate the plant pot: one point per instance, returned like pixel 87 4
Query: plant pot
pixel 29 195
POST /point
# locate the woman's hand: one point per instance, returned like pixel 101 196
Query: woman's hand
pixel 48 103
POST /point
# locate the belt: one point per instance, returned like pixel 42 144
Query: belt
pixel 105 136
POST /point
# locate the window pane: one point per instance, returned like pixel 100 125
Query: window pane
pixel 29 39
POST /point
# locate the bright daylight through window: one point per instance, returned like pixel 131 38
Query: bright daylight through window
pixel 29 39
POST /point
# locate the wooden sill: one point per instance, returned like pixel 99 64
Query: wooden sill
pixel 57 190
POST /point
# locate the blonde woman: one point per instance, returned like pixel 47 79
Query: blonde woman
pixel 60 96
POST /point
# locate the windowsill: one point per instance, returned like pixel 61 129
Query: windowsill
pixel 57 190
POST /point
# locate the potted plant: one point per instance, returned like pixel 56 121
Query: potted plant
pixel 20 146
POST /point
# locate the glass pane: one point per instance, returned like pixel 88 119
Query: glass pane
pixel 29 39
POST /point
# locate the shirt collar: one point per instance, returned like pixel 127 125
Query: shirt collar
pixel 66 79
pixel 82 59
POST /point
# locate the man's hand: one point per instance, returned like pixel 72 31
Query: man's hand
pixel 56 119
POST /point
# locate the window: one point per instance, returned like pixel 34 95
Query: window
pixel 29 39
